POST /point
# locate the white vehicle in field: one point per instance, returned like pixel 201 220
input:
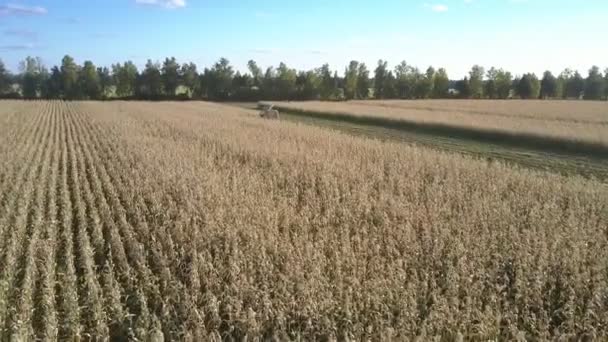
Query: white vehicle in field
pixel 268 111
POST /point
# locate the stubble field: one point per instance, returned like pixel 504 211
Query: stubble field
pixel 569 121
pixel 198 221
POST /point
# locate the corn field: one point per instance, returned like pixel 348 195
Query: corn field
pixel 201 222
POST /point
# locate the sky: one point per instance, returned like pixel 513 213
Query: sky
pixel 517 35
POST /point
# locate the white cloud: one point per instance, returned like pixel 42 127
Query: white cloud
pixel 163 3
pixel 15 9
pixel 17 47
pixel 21 33
pixel 439 8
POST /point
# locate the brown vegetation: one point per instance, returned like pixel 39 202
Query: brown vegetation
pixel 196 221
pixel 574 121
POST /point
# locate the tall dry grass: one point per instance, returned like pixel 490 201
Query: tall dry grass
pixel 360 238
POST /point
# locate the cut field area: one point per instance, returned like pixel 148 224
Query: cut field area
pixel 545 153
pixel 521 154
pixel 548 123
pixel 202 222
pixel 549 110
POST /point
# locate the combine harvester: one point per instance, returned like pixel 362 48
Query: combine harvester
pixel 267 111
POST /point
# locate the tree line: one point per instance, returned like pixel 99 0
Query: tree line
pixel 220 82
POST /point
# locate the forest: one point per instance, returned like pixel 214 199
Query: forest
pixel 171 80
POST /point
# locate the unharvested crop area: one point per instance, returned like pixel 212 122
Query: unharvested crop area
pixel 569 121
pixel 197 221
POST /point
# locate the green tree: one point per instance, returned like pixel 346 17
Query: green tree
pixel 151 83
pixel 562 82
pixel 528 87
pixel 125 78
pixel 241 80
pixel 105 81
pixel 535 86
pixel 503 82
pixel 31 65
pixel 548 85
pixel 390 89
pixel 327 86
pixel 464 88
pixel 241 87
pixel 338 92
pixel 606 84
pixel 423 83
pixel 54 84
pixel 32 74
pixel 43 82
pixel 256 73
pixel 363 81
pixel 218 80
pixel 89 81
pixel 224 73
pixel 594 84
pixel 380 80
pixel 476 81
pixel 441 84
pixel 575 85
pixel 490 88
pixel 5 79
pixel 286 82
pixel 269 88
pixel 69 75
pixel 203 84
pixel 560 87
pixel 351 76
pixel 309 84
pixel 190 77
pixel 170 76
pixel 406 78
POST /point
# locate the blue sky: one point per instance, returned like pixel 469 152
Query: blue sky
pixel 518 35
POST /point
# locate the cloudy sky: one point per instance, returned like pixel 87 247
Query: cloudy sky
pixel 518 35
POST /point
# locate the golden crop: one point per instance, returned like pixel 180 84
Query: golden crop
pixel 197 221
